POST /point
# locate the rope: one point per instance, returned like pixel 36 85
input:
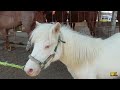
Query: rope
pixel 6 64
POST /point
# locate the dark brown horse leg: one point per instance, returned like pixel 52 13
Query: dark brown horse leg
pixel 65 23
pixel 70 24
pixel 92 31
pixel 119 25
pixel 74 26
pixel 91 28
pixel 5 36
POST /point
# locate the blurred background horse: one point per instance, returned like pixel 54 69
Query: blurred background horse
pixel 12 19
pixel 74 17
pixel 80 16
pixel 56 16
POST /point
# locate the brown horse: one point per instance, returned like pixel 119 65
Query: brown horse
pixel 73 17
pixel 61 16
pixel 12 19
pixel 38 16
pixel 49 15
pixel 56 16
pixel 80 16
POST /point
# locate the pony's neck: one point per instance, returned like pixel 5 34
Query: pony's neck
pixel 78 49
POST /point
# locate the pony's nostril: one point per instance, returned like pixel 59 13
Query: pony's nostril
pixel 30 70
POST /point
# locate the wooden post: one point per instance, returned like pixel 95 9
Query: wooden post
pixel 113 21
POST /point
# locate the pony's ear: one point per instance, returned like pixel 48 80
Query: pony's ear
pixel 37 23
pixel 55 31
pixel 56 28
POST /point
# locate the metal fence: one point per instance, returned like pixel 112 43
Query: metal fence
pixel 102 29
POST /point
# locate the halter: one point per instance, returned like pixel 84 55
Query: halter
pixel 42 65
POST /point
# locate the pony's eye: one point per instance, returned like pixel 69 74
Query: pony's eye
pixel 47 46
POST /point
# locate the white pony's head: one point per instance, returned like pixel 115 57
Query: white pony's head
pixel 46 47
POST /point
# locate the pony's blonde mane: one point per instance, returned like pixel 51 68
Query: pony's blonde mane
pixel 79 48
pixel 37 32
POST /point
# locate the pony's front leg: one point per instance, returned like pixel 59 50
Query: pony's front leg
pixel 86 74
pixel 86 77
pixel 83 73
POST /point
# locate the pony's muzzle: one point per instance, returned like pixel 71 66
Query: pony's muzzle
pixel 31 72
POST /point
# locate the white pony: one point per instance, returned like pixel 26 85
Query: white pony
pixel 85 57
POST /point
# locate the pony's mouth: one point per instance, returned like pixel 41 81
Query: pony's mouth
pixel 33 74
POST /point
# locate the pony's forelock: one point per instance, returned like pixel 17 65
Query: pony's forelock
pixel 35 34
